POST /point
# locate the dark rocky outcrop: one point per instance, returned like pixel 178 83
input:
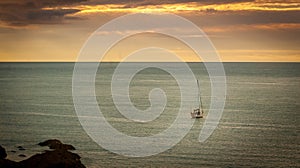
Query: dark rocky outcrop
pixel 21 148
pixel 5 163
pixel 60 157
pixel 53 159
pixel 56 144
pixel 2 153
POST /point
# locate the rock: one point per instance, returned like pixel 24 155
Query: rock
pixel 5 163
pixel 13 151
pixel 55 159
pixel 2 153
pixel 56 144
pixel 60 157
pixel 22 155
pixel 21 148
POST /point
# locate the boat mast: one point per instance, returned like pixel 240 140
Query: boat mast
pixel 199 100
pixel 199 96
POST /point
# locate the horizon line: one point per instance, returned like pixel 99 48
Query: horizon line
pixel 149 62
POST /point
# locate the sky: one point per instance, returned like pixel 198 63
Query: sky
pixel 240 30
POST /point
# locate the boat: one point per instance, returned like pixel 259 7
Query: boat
pixel 198 112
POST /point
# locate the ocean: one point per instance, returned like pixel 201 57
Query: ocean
pixel 259 126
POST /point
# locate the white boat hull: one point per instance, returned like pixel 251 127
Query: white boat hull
pixel 197 113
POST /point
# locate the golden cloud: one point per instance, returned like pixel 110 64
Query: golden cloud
pixel 244 27
pixel 258 5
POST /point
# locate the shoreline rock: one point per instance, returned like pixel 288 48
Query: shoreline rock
pixel 3 153
pixel 60 157
pixel 56 144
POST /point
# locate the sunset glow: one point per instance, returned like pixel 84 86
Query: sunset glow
pixel 51 31
pixel 186 7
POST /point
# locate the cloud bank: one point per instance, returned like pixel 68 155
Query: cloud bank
pixel 16 13
pixel 22 13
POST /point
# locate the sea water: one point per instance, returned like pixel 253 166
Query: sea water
pixel 259 126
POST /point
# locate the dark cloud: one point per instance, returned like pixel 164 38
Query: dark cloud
pixel 26 12
pixel 22 13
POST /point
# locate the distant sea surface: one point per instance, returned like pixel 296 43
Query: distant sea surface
pixel 259 126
